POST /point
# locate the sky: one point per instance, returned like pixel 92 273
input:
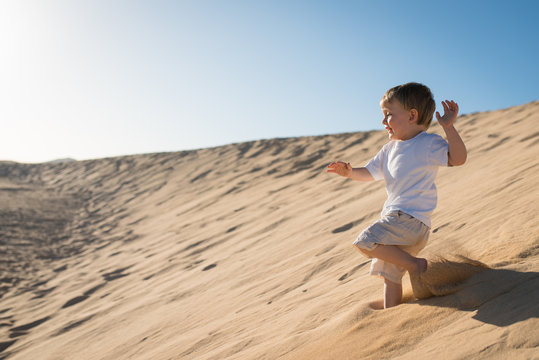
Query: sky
pixel 89 79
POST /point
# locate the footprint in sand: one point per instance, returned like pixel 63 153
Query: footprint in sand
pixel 116 274
pixel 72 325
pixel 83 297
pixel 211 266
pixel 5 344
pixel 20 331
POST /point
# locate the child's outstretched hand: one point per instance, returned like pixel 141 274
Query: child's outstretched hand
pixel 451 110
pixel 340 168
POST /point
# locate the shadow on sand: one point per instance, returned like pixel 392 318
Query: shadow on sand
pixel 498 296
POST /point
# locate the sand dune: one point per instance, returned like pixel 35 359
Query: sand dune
pixel 244 252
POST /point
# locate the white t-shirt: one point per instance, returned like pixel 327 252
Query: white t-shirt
pixel 409 169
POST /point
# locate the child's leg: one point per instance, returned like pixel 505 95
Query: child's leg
pixel 395 255
pixel 392 294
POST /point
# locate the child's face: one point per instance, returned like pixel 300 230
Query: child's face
pixel 397 121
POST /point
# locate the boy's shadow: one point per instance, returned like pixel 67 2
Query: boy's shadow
pixel 500 297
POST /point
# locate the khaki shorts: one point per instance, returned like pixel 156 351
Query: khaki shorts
pixel 396 228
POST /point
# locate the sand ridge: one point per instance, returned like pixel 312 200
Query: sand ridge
pixel 244 252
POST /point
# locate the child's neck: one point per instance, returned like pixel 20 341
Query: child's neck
pixel 413 132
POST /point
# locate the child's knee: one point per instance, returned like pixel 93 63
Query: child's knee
pixel 363 251
pixel 392 283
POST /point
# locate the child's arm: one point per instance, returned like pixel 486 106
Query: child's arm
pixel 457 149
pixel 346 170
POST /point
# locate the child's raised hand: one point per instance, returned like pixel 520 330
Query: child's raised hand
pixel 340 168
pixel 451 110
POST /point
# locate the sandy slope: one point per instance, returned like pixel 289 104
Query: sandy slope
pixel 244 252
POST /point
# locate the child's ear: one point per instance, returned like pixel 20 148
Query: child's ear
pixel 413 115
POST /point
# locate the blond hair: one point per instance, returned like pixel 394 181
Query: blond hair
pixel 413 96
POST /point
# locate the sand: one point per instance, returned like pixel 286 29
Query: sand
pixel 245 252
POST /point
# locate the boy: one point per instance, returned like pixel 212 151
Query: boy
pixel 408 163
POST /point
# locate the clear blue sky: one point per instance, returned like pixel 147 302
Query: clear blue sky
pixel 99 78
